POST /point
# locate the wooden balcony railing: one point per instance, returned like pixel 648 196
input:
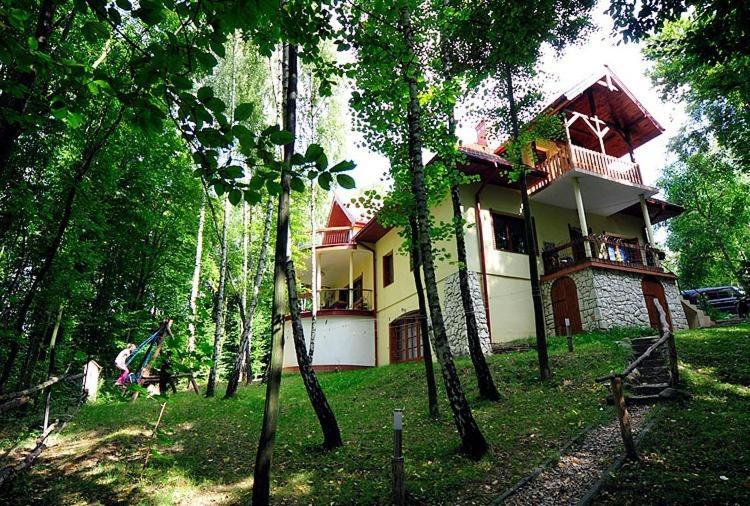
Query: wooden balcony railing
pixel 359 299
pixel 603 250
pixel 333 236
pixel 571 156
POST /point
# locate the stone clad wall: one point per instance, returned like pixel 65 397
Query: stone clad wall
pixel 672 293
pixel 610 298
pixel 455 318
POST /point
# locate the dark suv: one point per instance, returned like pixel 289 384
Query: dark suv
pixel 723 298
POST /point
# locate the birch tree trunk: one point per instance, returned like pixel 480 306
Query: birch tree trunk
pixel 242 358
pixel 487 388
pixel 536 293
pixel 195 286
pixel 314 270
pixel 219 308
pixel 473 442
pixel 432 402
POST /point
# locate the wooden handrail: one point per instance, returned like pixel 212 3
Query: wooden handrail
pixel 635 362
pixel 40 386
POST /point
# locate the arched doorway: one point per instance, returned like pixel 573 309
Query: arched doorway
pixel 653 289
pixel 406 338
pixel 565 305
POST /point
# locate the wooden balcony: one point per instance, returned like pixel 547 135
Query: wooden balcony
pixel 603 251
pixel 344 299
pixel 334 236
pixel 572 157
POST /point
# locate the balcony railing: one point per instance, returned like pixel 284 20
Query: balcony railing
pixel 572 156
pixel 333 236
pixel 602 250
pixel 358 299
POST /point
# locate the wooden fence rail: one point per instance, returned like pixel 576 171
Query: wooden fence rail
pixel 40 386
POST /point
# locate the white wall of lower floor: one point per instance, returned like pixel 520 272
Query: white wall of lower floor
pixel 340 340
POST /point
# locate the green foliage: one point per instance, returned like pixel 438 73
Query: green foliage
pixel 712 235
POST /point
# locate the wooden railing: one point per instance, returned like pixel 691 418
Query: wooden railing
pixel 571 156
pixel 339 298
pixel 613 168
pixel 601 249
pixel 333 236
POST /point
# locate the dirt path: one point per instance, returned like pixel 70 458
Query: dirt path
pixel 567 481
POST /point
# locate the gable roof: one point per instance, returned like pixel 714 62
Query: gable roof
pixel 613 103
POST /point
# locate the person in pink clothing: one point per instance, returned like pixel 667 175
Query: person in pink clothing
pixel 122 363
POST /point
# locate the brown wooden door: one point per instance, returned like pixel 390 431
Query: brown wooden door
pixel 653 289
pixel 565 305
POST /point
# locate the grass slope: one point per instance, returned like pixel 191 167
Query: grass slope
pixel 98 458
pixel 699 452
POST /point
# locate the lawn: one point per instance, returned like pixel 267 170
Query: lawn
pixel 698 452
pixel 210 454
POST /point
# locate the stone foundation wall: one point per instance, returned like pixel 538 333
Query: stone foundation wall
pixel 610 298
pixel 672 293
pixel 455 318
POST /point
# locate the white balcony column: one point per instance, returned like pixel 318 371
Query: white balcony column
pixel 318 283
pixel 581 215
pixel 647 221
pixel 351 279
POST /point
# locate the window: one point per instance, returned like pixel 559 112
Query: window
pixel 388 269
pixel 509 233
pixel 406 338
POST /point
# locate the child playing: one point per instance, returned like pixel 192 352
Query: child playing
pixel 122 363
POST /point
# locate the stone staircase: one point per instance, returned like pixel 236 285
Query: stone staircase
pixel 651 381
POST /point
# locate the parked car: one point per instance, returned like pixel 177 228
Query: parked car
pixel 722 298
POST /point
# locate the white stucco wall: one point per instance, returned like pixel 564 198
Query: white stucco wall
pixel 339 341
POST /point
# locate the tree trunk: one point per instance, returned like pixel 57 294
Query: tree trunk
pixel 51 364
pixel 432 402
pixel 263 458
pixel 10 130
pixel 241 361
pixel 314 271
pixel 487 388
pixel 536 293
pixel 472 439
pixel 195 285
pixel 328 423
pixel 219 308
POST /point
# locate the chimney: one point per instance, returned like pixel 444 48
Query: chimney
pixel 481 129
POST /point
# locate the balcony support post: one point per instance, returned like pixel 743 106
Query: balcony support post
pixel 581 215
pixel 351 279
pixel 647 221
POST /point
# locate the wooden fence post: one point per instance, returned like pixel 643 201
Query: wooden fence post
pixel 397 463
pixel 671 345
pixel 623 417
pixel 569 335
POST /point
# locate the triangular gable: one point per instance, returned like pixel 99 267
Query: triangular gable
pixel 339 215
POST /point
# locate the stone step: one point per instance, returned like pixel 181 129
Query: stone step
pixel 631 400
pixel 649 388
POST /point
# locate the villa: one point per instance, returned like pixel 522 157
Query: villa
pixel 593 219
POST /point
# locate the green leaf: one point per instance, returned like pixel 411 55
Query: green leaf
pixel 322 162
pixel 297 185
pixel 325 181
pixel 234 172
pixel 205 93
pixel 297 159
pixel 281 137
pixel 74 119
pixel 235 196
pixel 274 188
pixel 243 112
pixel 252 197
pixel 313 152
pixel 343 166
pixel 346 181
